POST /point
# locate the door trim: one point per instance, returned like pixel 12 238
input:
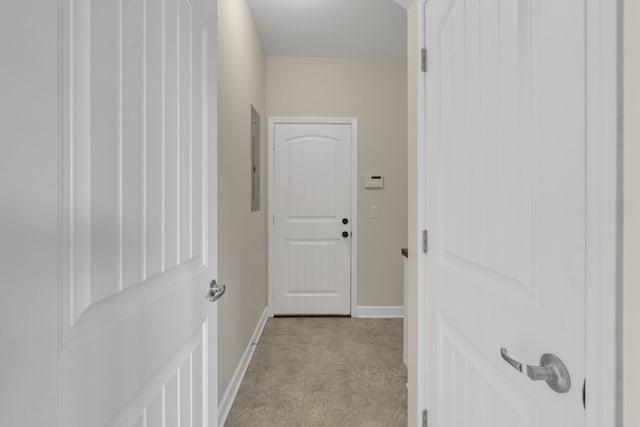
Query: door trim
pixel 353 121
pixel 604 224
pixel 604 214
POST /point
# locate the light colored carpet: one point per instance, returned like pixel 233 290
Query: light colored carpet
pixel 337 372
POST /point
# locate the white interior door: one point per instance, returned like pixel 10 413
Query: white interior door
pixel 138 233
pixel 134 244
pixel 312 218
pixel 505 172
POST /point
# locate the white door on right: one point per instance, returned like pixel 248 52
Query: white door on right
pixel 505 172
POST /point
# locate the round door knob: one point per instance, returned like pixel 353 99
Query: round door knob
pixel 345 234
pixel 345 221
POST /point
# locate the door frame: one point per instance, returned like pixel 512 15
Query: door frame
pixel 353 122
pixel 603 222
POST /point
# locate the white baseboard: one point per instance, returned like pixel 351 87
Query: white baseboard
pixel 380 311
pixel 232 389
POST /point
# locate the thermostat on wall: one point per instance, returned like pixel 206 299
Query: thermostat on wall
pixel 374 181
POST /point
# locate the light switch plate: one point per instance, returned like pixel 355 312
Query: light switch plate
pixel 373 211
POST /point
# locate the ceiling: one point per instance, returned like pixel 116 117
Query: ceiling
pixel 332 28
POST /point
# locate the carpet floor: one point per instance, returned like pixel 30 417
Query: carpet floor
pixel 338 372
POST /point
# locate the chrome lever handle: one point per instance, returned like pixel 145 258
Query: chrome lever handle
pixel 536 373
pixel 215 291
pixel 511 361
pixel 551 370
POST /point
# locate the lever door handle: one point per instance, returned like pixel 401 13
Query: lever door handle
pixel 215 291
pixel 551 370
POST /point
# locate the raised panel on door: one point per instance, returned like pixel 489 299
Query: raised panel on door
pixel 312 196
pixel 487 177
pixel 506 213
pixel 471 391
pixel 136 212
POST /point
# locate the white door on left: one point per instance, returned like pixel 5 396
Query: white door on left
pixel 118 217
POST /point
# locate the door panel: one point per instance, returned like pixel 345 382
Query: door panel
pixel 506 213
pixel 135 339
pixel 167 399
pixel 312 196
pixel 473 391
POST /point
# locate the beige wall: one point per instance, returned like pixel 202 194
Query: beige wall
pixel 374 91
pixel 242 233
pixel 631 277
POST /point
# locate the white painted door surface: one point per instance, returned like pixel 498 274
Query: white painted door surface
pixel 505 162
pixel 312 189
pixel 29 218
pixel 128 211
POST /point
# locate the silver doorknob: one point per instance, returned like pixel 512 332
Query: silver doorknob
pixel 551 370
pixel 215 291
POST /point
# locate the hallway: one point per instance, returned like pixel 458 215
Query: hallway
pixel 497 141
pixel 340 372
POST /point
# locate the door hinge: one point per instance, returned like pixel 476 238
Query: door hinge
pixel 424 60
pixel 425 419
pixel 425 241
